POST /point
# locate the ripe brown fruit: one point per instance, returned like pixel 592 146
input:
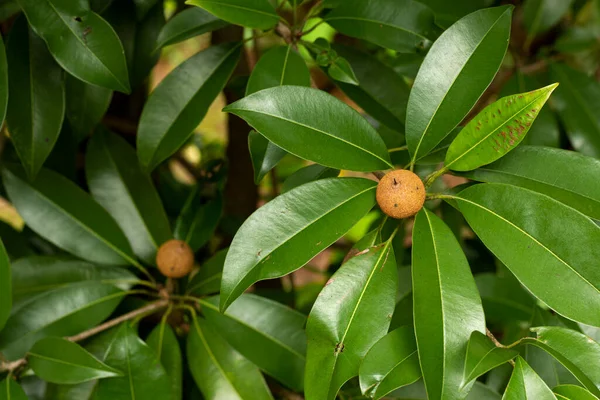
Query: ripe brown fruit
pixel 400 194
pixel 175 259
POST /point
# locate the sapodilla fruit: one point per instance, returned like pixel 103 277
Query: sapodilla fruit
pixel 400 194
pixel 175 259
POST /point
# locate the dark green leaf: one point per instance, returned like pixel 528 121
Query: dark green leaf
pixel 456 71
pixel 36 105
pixel 5 286
pixel 60 312
pixel 576 101
pixel 447 12
pixel 86 105
pixel 164 342
pixel 350 315
pixel 541 15
pixel 402 25
pixel 265 155
pixel 187 24
pixel 258 14
pixel 10 390
pixel 142 7
pixel 65 215
pixel 284 234
pixel 527 232
pixel 178 104
pixel 118 183
pixel 145 378
pixel 145 55
pixel 447 307
pixel 391 363
pixel 208 279
pixel 504 298
pixel 58 360
pixel 572 181
pixel 572 392
pixel 315 126
pixel 341 70
pixel 219 371
pixel 310 173
pixel 496 130
pixel 3 82
pixel 267 333
pixel 197 222
pixel 70 27
pixel 483 356
pixel 526 384
pixel 15 242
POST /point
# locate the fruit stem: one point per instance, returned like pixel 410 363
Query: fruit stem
pixel 433 176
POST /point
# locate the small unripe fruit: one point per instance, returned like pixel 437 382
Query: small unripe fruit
pixel 400 194
pixel 175 259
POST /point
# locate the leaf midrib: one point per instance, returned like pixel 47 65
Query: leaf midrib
pixel 375 22
pixel 59 361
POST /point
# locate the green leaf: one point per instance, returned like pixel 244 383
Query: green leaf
pixel 576 101
pixel 483 356
pixel 36 105
pixel 402 25
pixel 341 70
pixel 526 384
pixel 58 360
pixel 144 377
pixel 10 390
pixel 264 154
pixel 572 181
pixel 65 215
pixel 284 234
pixel 447 307
pixel 197 222
pixel 391 363
pixel 572 392
pixel 495 131
pixel 164 342
pixel 350 315
pixel 299 120
pixel 527 232
pixel 219 371
pixel 446 13
pixel 381 92
pixel 70 27
pixel 504 298
pixel 187 24
pixel 267 333
pixel 3 82
pixel 257 14
pixel 145 55
pixel 458 68
pixel 310 173
pixel 118 183
pixel 142 7
pixel 62 312
pixel 86 105
pixel 541 15
pixel 5 286
pixel 208 279
pixel 176 107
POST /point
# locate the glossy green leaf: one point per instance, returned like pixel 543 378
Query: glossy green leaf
pixel 572 181
pixel 70 27
pixel 145 56
pixel 264 154
pixel 483 356
pixel 86 105
pixel 402 25
pixel 456 71
pixel 504 298
pixel 315 126
pixel 526 384
pixel 576 101
pixel 572 392
pixel 197 222
pixel 447 307
pixel 3 82
pixel 5 286
pixel 284 234
pixel 541 15
pixel 341 71
pixel 381 92
pixel 350 315
pixel 60 312
pixel 310 173
pixel 527 232
pixel 219 371
pixel 267 333
pixel 58 360
pixel 143 7
pixel 258 14
pixel 144 377
pixel 10 390
pixel 187 24
pixel 416 391
pixel 208 279
pixel 391 363
pixel 65 215
pixel 178 104
pixel 36 105
pixel 118 183
pixel 447 12
pixel 496 130
pixel 164 342
pixel 32 276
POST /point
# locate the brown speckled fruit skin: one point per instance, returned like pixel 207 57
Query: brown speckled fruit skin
pixel 400 194
pixel 175 259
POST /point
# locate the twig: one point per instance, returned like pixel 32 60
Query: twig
pixel 379 174
pixel 490 335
